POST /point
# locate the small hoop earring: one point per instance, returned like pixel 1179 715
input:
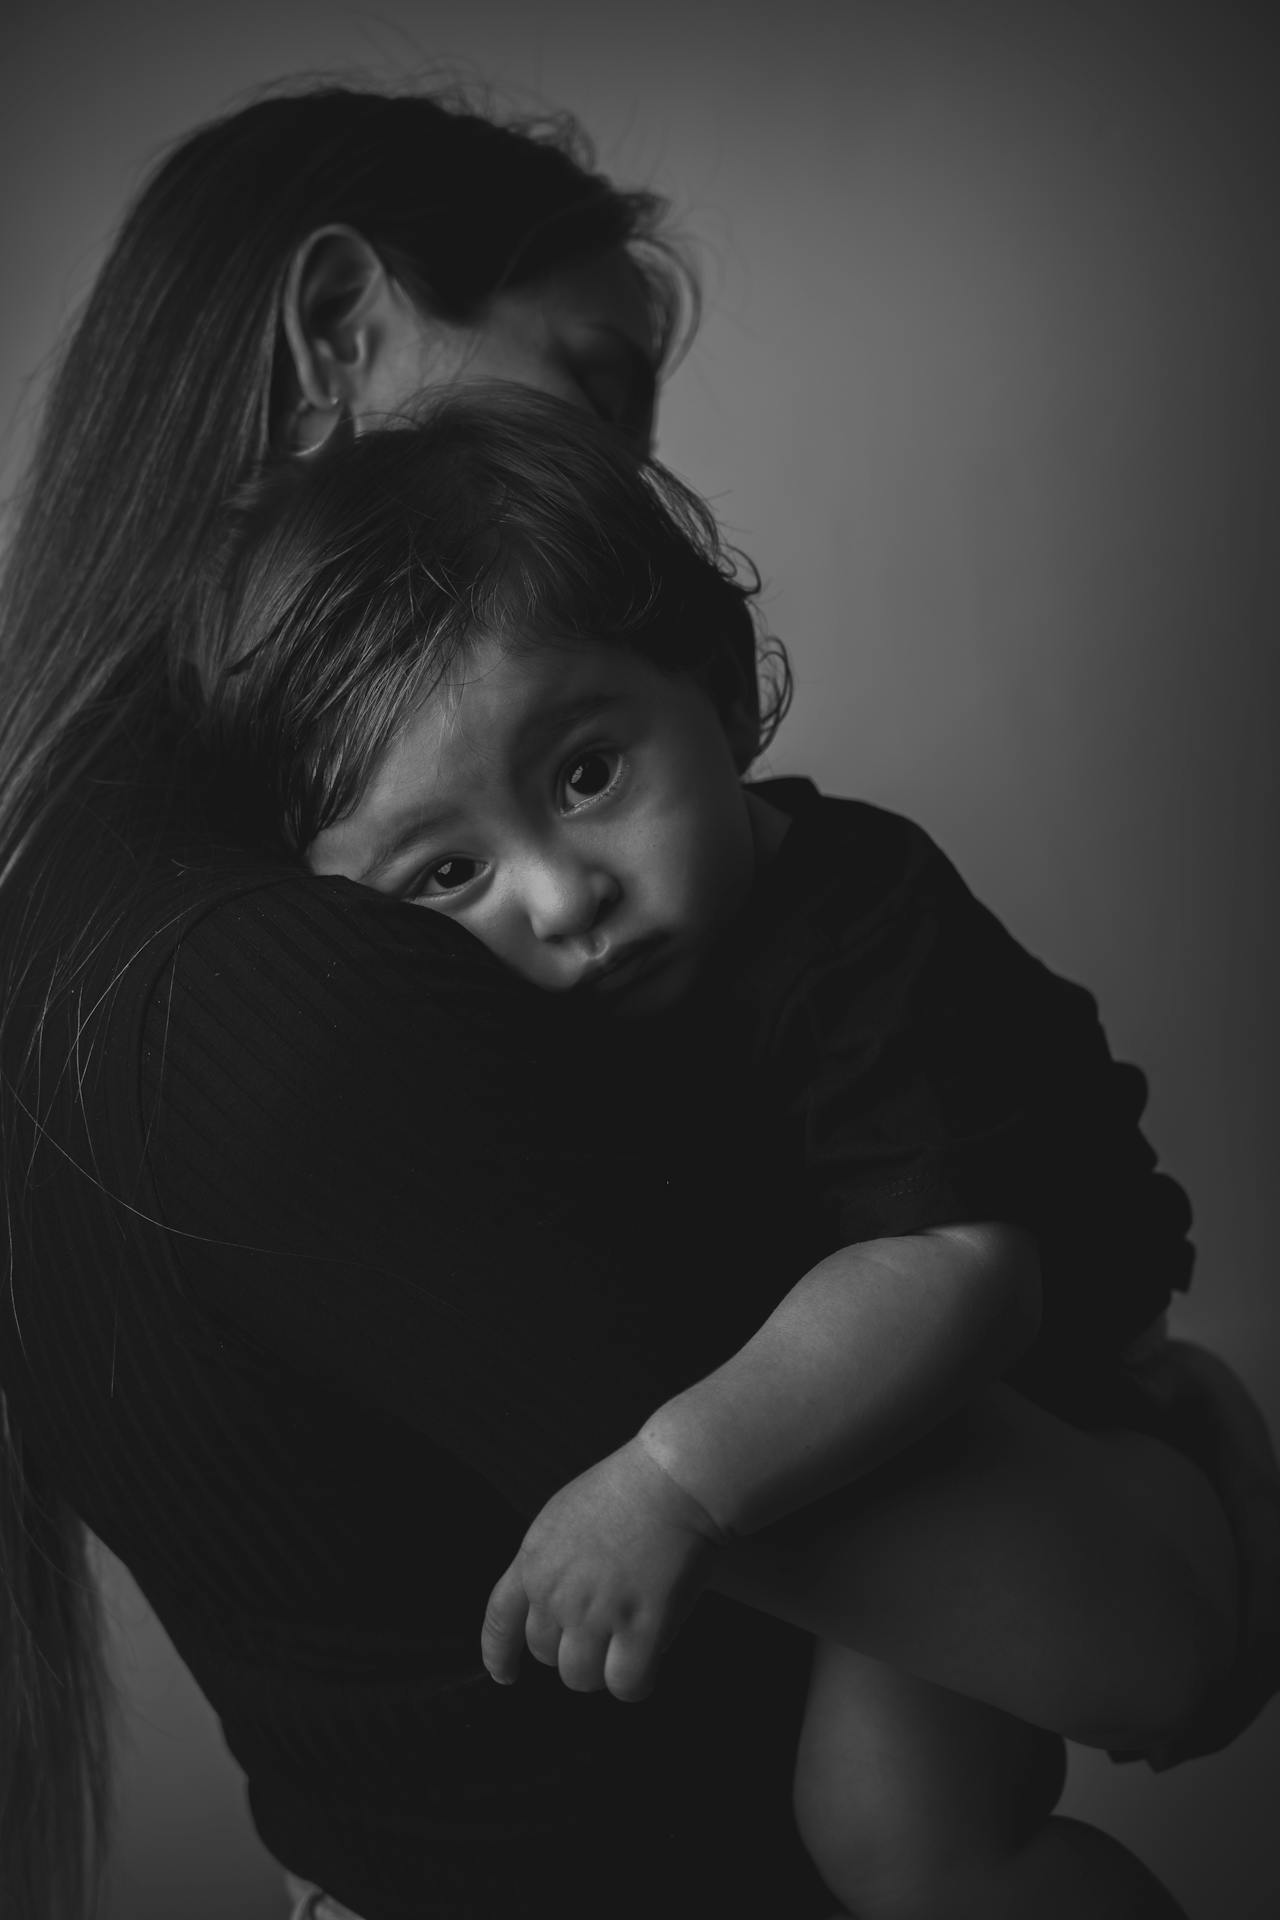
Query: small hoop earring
pixel 326 405
pixel 342 433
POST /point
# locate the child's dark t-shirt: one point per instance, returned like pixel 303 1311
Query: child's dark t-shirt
pixel 927 1070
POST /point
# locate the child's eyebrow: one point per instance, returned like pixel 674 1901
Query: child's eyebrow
pixel 397 839
pixel 544 726
pixel 539 731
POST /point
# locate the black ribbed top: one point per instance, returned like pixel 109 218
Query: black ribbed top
pixel 335 1252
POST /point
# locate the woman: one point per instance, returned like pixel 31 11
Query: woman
pixel 265 1140
pixel 278 272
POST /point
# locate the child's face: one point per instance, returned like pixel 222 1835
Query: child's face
pixel 575 808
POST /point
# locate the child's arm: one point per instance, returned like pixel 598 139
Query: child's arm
pixel 869 1350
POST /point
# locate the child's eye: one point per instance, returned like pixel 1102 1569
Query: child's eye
pixel 447 876
pixel 587 777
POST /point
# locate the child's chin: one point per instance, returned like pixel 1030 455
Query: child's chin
pixel 652 993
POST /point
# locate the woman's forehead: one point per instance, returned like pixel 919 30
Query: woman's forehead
pixel 606 291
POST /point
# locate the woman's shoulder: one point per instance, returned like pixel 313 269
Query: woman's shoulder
pixel 165 945
pixel 182 904
pixel 289 967
pixel 243 906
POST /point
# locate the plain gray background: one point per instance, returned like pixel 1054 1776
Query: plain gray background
pixel 986 385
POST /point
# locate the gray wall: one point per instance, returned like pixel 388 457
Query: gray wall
pixel 985 384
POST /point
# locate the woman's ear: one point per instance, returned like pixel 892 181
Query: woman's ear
pixel 354 337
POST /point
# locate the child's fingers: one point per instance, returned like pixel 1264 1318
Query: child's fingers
pixel 542 1635
pixel 631 1665
pixel 581 1661
pixel 502 1636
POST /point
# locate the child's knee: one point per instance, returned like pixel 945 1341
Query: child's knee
pixel 1189 1643
pixel 903 1790
pixel 1174 1682
pixel 915 1867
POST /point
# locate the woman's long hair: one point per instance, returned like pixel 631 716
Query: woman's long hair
pixel 55 1698
pixel 165 398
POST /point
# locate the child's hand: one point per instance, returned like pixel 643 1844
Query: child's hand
pixel 603 1578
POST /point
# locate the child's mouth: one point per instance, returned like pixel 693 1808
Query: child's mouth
pixel 629 967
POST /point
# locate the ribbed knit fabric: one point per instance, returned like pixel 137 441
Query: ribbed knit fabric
pixel 334 1254
pixel 336 1251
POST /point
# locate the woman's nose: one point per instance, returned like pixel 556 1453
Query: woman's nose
pixel 567 897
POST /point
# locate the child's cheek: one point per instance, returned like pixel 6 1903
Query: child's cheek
pixel 501 931
pixel 706 863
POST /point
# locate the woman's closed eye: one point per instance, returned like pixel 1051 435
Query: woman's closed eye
pixel 587 777
pixel 624 392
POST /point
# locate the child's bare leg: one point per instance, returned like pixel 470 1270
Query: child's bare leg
pixel 917 1804
pixel 1083 1583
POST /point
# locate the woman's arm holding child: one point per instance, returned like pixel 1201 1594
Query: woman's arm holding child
pixel 866 1353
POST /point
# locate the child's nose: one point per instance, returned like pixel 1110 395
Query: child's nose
pixel 567 897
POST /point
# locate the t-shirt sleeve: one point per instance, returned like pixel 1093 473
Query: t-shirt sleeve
pixel 374 1162
pixel 936 1072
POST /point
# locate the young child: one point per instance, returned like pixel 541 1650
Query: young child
pixel 496 667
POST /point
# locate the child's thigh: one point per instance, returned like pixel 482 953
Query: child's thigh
pixel 902 1786
pixel 1082 1582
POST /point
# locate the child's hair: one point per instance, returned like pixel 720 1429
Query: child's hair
pixel 353 582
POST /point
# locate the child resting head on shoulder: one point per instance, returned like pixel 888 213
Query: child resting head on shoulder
pixel 499 667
